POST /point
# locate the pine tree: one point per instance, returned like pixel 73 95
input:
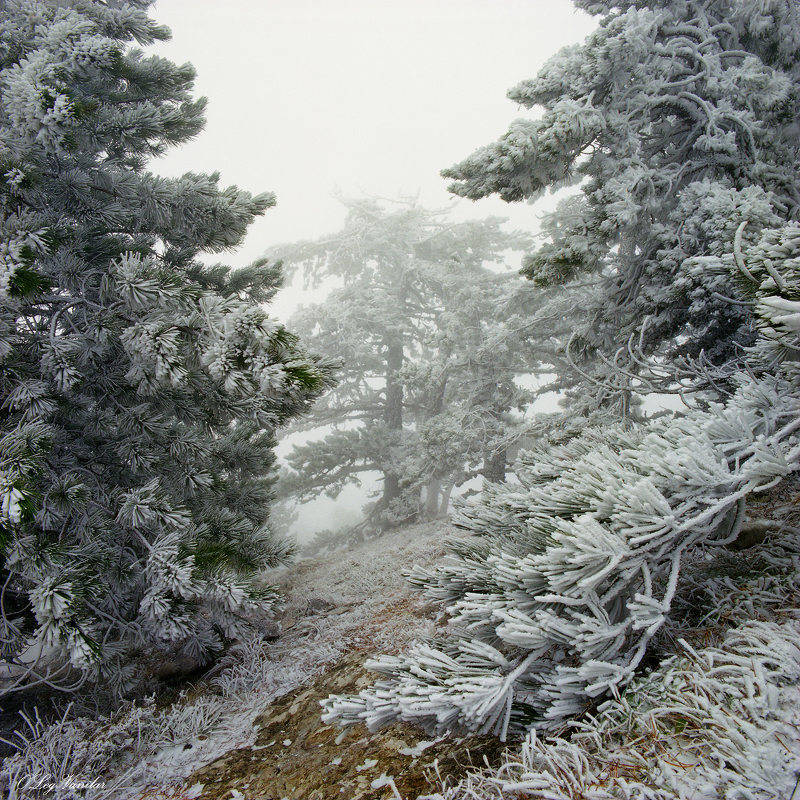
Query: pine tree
pixel 678 121
pixel 426 395
pixel 567 578
pixel 140 389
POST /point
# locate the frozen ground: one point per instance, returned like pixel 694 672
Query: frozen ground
pixel 719 718
pixel 353 599
pixel 334 605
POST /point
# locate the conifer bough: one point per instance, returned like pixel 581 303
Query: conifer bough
pixel 682 249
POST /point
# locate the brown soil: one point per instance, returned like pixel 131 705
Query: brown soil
pixel 297 756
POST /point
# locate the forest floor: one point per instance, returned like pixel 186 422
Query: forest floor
pixel 341 609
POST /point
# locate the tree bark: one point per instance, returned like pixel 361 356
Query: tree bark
pixel 393 416
pixel 494 465
pixel 432 492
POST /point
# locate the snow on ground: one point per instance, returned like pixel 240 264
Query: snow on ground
pixel 334 605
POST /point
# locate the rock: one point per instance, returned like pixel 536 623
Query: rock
pixel 753 532
pixel 269 628
pixel 318 605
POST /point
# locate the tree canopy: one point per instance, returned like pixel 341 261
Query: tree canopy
pixel 677 120
pixel 423 320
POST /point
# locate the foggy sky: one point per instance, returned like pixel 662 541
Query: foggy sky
pixel 367 96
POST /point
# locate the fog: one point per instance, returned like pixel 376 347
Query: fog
pixel 308 96
pixel 309 99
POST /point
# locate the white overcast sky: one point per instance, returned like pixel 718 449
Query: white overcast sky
pixel 364 96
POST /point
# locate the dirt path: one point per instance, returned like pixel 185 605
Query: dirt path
pixel 296 756
pixel 341 609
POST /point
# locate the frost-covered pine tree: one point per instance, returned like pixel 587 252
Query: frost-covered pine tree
pixel 139 389
pixel 678 122
pixel 423 321
pixel 681 115
pixel 566 579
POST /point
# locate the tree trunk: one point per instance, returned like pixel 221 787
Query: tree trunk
pixel 393 417
pixel 494 465
pixel 445 504
pixel 393 412
pixel 432 492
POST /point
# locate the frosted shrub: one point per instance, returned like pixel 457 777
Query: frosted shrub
pixel 111 751
pixel 559 606
pixel 72 750
pixel 716 721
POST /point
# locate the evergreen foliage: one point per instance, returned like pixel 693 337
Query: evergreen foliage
pixel 139 389
pixel 429 331
pixel 569 577
pixel 678 120
pixel 708 721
